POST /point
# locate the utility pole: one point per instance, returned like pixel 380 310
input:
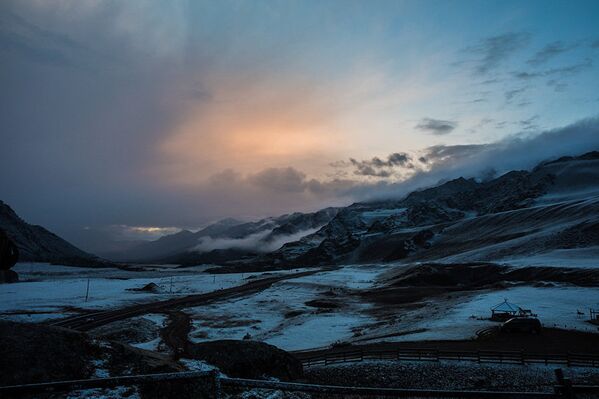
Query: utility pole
pixel 87 291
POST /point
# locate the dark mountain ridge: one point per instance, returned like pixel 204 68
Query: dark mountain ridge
pixel 37 244
pixel 182 247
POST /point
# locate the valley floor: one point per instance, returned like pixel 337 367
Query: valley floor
pixel 295 314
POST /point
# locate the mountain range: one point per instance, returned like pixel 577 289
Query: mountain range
pixel 554 207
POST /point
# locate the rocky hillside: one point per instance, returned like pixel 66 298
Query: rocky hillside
pixel 553 207
pixel 36 244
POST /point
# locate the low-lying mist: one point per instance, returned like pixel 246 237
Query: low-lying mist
pixel 257 242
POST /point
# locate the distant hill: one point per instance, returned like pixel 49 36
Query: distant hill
pixel 226 240
pixel 36 244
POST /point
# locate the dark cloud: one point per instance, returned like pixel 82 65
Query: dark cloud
pixel 291 181
pixel 377 167
pixel 550 51
pixel 280 179
pixel 565 71
pixel 527 75
pixel 490 81
pixel 227 176
pixel 510 94
pixel 436 126
pixel 399 159
pixel 493 51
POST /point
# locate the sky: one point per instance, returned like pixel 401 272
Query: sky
pixel 132 119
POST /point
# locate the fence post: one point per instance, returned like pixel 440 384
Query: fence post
pixel 216 387
pixel 564 387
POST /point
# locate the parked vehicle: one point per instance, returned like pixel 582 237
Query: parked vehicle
pixel 529 325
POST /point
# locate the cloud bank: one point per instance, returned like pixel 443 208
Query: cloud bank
pixel 254 242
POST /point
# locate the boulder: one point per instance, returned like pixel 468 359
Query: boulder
pixel 150 287
pixel 248 359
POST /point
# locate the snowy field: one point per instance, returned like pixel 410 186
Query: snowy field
pixel 281 317
pixel 555 307
pixel 284 314
pixel 49 291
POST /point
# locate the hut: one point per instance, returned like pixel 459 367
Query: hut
pixel 505 310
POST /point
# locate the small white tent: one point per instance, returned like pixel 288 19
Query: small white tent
pixel 505 310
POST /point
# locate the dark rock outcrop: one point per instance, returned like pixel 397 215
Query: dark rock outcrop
pixel 9 253
pixel 31 353
pixel 248 359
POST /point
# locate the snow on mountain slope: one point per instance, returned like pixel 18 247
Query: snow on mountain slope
pixel 529 231
pixel 521 213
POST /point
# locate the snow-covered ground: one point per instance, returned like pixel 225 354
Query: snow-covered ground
pixel 352 276
pixel 280 316
pixel 49 291
pixel 554 306
pixel 575 257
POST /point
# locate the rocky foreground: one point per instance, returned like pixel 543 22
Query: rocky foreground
pixel 448 375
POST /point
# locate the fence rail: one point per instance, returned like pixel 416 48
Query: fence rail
pixel 214 385
pixel 426 354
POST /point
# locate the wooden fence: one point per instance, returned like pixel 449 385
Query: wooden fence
pixel 214 385
pixel 481 356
